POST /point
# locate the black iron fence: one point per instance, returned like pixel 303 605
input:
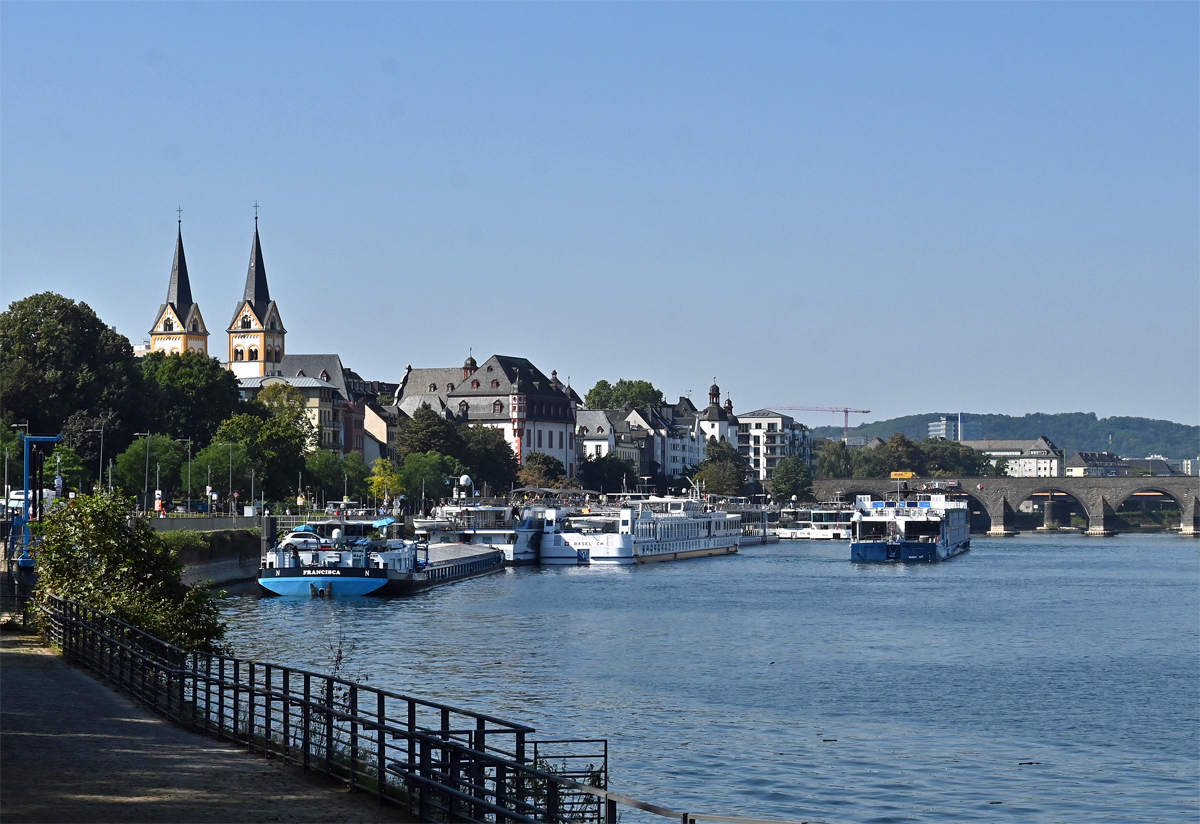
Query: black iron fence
pixel 439 762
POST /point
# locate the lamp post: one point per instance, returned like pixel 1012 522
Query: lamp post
pixel 100 478
pixel 146 481
pixel 188 441
pixel 230 493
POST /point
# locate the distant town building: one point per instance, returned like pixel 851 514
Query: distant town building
pixel 716 421
pixel 321 402
pixel 179 326
pixel 1026 459
pixel 766 437
pixel 1096 465
pixel 663 441
pixel 536 413
pixel 1190 466
pixel 954 429
pixel 1155 465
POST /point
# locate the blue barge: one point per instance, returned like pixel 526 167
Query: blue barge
pixel 931 528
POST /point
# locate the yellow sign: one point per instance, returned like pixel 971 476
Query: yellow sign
pixel 904 474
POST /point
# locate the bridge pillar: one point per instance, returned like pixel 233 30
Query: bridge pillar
pixel 1189 510
pixel 1050 512
pixel 1101 519
pixel 1004 520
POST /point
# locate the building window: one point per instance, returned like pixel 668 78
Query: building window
pixel 570 440
pixel 253 353
pixel 560 439
pixel 195 326
pixel 539 439
pixel 495 383
pixel 449 387
pixel 474 384
pixel 238 354
pixel 245 321
pixel 463 408
pixel 168 325
pixel 497 408
pixel 598 448
pixel 433 387
pixel 272 324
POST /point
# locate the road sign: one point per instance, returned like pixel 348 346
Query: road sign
pixel 58 482
pixel 904 474
pixel 158 494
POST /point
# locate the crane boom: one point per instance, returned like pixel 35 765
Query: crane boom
pixel 843 409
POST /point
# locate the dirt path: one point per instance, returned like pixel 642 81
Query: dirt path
pixel 74 750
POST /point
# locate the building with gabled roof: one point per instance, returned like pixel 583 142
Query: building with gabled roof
pixel 535 412
pixel 256 332
pixel 179 326
pixel 1096 465
pixel 1038 458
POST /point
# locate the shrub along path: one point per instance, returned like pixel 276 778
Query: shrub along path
pixel 74 750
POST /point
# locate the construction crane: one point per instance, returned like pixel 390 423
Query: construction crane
pixel 844 410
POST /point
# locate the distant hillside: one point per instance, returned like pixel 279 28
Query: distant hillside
pixel 1070 431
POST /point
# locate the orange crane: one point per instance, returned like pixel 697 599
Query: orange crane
pixel 844 410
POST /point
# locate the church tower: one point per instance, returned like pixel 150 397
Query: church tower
pixel 179 326
pixel 256 332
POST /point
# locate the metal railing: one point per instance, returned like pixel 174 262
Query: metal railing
pixel 438 762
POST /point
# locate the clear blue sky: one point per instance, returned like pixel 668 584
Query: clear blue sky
pixel 898 207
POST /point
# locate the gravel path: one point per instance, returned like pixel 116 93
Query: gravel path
pixel 74 750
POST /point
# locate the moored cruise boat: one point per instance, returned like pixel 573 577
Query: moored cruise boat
pixel 820 522
pixel 929 528
pixel 655 529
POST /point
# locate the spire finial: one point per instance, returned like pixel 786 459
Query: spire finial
pixel 256 214
pixel 179 216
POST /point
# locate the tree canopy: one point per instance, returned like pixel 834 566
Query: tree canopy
pixel 607 473
pixel 189 394
pixel 791 478
pixel 137 467
pixel 489 458
pixel 613 396
pixel 331 475
pixel 427 431
pixel 275 449
pixel 59 358
pixel 542 470
pixel 834 460
pixel 428 473
pixel 723 471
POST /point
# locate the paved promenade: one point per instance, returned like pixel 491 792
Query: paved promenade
pixel 74 750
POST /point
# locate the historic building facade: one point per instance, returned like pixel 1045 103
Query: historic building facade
pixel 179 326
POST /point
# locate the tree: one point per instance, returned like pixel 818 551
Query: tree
pixel 639 394
pixel 427 431
pixel 542 470
pixel 95 550
pixel 489 458
pixel 607 473
pixel 58 357
pixel 385 481
pixel 275 448
pixel 791 478
pixel 138 467
pixel 724 471
pixel 430 474
pixel 944 458
pixel 189 393
pixel 288 403
pixel 834 460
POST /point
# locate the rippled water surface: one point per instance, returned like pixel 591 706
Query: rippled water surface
pixel 787 682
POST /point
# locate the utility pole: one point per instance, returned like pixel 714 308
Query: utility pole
pixel 100 478
pixel 146 482
pixel 230 493
pixel 189 489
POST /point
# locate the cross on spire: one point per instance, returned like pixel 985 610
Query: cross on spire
pixel 179 215
pixel 256 213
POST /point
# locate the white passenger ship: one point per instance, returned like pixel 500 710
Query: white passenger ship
pixel 820 522
pixel 654 529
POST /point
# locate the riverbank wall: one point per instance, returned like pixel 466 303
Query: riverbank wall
pixel 227 556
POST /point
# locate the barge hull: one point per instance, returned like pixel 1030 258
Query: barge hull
pixel 903 552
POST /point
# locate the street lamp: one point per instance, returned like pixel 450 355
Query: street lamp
pixel 188 441
pixel 230 493
pixel 146 481
pixel 100 480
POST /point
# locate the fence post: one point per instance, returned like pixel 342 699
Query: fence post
pixel 422 787
pixel 380 743
pixel 353 735
pixel 551 800
pixel 221 697
pixel 237 689
pixel 328 707
pixel 287 712
pixel 306 719
pixel 610 811
pixel 194 671
pixel 268 707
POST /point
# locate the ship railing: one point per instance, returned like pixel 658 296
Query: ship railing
pixel 436 761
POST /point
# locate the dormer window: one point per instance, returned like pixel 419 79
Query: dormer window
pixel 599 430
pixel 433 387
pixel 474 384
pixel 245 321
pixel 495 383
pixel 464 408
pixel 489 369
pixel 324 376
pixel 168 325
pixel 497 408
pixel 449 387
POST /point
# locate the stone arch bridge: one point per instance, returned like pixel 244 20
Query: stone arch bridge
pixel 1099 497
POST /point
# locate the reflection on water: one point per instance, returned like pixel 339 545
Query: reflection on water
pixel 787 682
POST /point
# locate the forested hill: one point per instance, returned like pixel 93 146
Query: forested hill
pixel 1070 431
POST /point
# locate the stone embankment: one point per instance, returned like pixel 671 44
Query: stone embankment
pixel 224 557
pixel 77 751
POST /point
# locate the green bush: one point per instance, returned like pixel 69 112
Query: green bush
pixel 94 549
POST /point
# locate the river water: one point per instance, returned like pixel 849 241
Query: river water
pixel 786 682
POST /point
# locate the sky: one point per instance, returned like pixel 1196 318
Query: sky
pixel 898 207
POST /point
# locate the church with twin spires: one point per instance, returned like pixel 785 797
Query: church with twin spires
pixel 255 337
